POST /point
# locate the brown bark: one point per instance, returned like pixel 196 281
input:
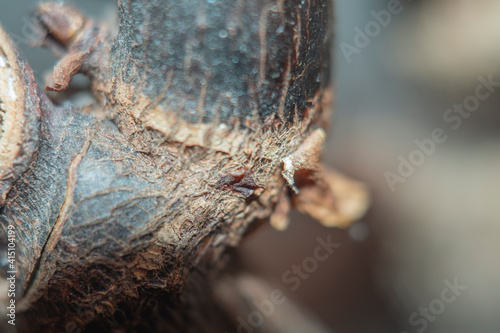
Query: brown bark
pixel 208 114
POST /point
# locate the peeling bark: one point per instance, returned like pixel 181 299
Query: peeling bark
pixel 19 116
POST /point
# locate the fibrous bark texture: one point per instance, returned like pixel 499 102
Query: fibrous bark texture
pixel 208 115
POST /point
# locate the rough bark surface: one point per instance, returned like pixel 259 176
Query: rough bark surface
pixel 201 126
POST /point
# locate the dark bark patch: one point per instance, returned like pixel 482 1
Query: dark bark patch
pixel 240 181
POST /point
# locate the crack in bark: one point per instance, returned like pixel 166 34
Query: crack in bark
pixel 55 233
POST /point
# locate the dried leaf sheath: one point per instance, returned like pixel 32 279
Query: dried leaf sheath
pixel 19 115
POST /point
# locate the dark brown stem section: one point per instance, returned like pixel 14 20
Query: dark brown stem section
pixel 223 60
pixel 127 207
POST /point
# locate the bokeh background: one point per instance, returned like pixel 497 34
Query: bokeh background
pixel 442 222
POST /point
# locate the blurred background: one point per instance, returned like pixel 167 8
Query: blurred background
pixel 423 258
